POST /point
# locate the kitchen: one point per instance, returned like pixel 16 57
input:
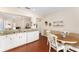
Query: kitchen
pixel 28 29
pixel 16 30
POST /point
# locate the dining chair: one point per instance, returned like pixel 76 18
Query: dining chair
pixel 73 47
pixel 53 43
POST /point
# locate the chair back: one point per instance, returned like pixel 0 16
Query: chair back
pixel 52 40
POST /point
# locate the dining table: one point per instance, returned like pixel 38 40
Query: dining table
pixel 66 40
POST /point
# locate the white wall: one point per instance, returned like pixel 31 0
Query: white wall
pixel 70 18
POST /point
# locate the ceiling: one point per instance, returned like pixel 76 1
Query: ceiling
pixel 43 11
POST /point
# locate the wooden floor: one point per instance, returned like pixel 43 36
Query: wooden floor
pixel 37 46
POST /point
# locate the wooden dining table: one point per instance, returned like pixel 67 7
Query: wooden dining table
pixel 67 40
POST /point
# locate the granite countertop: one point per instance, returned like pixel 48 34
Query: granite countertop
pixel 7 32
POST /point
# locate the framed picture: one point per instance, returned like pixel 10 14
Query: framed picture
pixel 58 23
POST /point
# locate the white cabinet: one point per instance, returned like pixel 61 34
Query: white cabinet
pixel 2 46
pixel 6 42
pixel 9 42
pixel 20 39
pixel 14 40
pixel 24 37
pixel 36 35
pixel 32 36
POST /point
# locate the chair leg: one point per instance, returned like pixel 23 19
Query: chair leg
pixel 49 47
pixel 57 50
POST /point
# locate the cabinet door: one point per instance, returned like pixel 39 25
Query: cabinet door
pixel 13 39
pixel 36 35
pixel 16 40
pixel 8 43
pixel 2 43
pixel 30 37
pixel 20 39
pixel 24 38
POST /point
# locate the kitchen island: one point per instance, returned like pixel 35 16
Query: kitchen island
pixel 13 38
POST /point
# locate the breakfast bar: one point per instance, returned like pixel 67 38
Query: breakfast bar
pixel 12 39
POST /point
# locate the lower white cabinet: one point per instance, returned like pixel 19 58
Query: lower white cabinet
pixel 20 39
pixel 6 42
pixel 32 36
pixel 14 40
pixel 2 43
pixel 9 42
pixel 36 35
